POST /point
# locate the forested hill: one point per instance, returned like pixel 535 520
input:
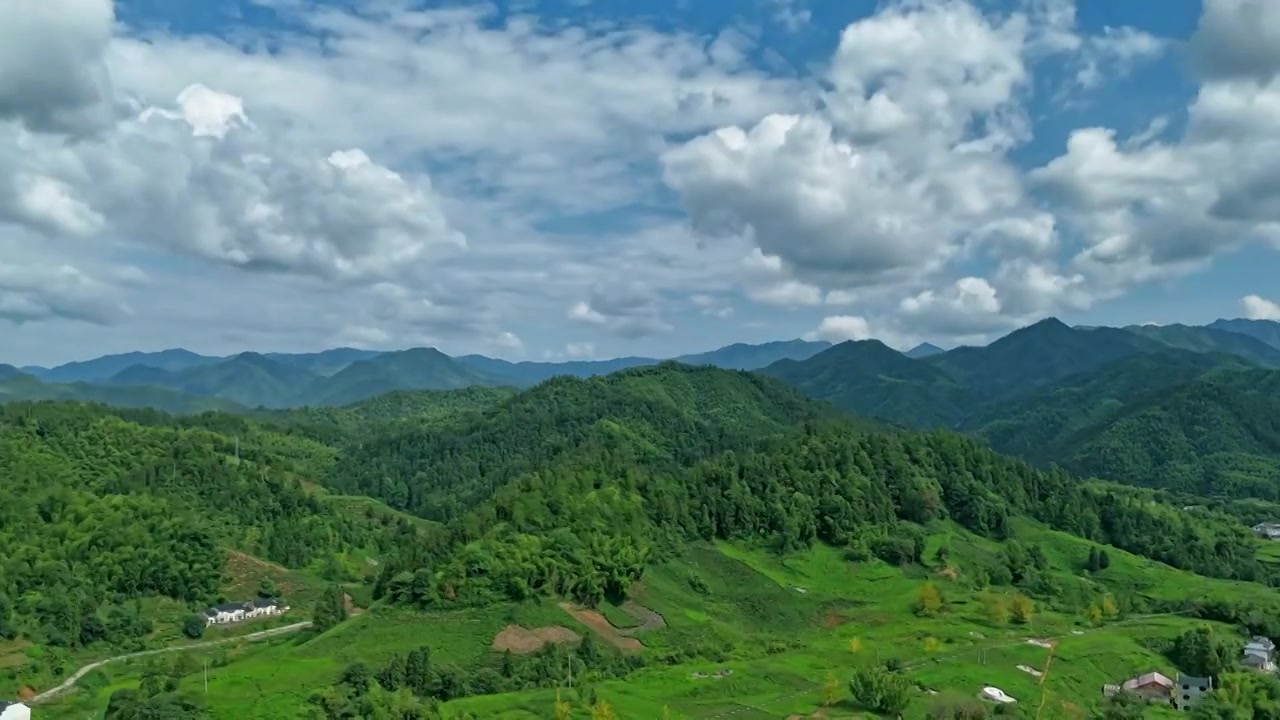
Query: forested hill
pixel 668 414
pixel 1218 435
pixel 572 487
pixel 969 387
pixel 1041 427
pixel 99 507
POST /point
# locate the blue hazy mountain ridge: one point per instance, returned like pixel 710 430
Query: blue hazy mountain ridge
pixel 949 389
pixel 104 368
pixel 107 367
pixel 924 387
pixel 738 356
pixel 923 350
pixel 1213 339
pixel 1268 331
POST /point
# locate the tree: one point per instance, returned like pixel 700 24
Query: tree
pixel 879 690
pixel 601 710
pixel 941 555
pixel 931 645
pixel 561 709
pixel 267 588
pixel 855 645
pixel 1093 613
pixel 1200 652
pixel 1022 609
pixel 930 600
pixel 996 608
pixel 330 609
pixel 193 626
pixel 1108 607
pixel 1094 563
pixel 830 690
pixel 358 678
pixel 1124 706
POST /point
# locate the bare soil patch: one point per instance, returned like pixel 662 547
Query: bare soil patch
pixel 350 606
pixel 602 627
pixel 833 619
pixel 248 561
pixel 522 640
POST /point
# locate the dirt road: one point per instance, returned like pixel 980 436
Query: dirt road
pixel 70 682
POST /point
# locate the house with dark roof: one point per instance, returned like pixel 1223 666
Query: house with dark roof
pixel 234 612
pixel 14 711
pixel 1190 690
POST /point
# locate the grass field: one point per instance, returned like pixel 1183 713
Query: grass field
pixel 28 666
pixel 781 625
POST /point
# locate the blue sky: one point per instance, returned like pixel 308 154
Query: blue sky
pixel 572 179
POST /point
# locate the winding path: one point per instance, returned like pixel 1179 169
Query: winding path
pixel 649 620
pixel 70 682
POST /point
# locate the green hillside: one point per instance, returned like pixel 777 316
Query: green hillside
pixel 1036 356
pixel 1217 435
pixel 22 387
pixel 871 379
pixel 115 525
pixel 383 414
pixel 665 414
pixel 1042 427
pixel 646 530
pixel 1211 340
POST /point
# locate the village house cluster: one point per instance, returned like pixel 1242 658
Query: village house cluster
pixel 1185 691
pixel 234 612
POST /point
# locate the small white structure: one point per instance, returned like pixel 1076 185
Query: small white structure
pixel 1268 530
pixel 14 711
pixel 995 694
pixel 1259 654
pixel 238 611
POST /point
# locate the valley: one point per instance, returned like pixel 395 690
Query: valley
pixel 827 536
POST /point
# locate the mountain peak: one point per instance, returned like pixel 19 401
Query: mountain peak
pixel 923 350
pixel 8 372
pixel 1049 324
pixel 868 345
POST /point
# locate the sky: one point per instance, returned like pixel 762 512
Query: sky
pixel 577 178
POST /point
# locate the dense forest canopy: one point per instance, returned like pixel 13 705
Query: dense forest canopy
pixel 99 507
pixel 571 487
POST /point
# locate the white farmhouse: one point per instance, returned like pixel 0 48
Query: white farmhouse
pixel 235 612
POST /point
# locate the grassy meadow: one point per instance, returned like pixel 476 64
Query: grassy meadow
pixel 785 626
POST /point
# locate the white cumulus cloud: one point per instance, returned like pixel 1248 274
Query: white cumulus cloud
pixel 1259 308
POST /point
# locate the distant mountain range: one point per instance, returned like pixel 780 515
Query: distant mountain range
pixel 182 381
pixel 971 388
pixel 947 389
pixel 1195 409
